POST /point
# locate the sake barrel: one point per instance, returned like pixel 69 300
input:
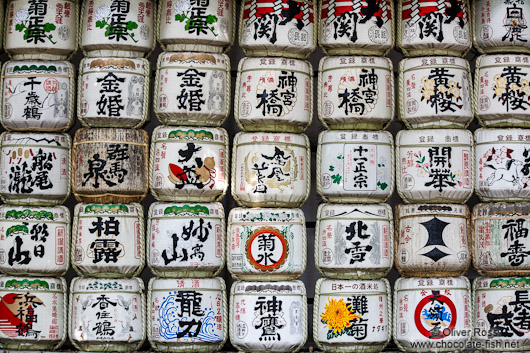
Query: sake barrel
pixel 187 315
pixel 33 313
pixel 355 166
pixel 432 240
pixel 108 240
pixel 268 316
pixel 266 244
pixel 113 92
pixel 500 313
pixel 354 241
pixel 501 90
pixel 107 314
pixel 34 240
pixel 186 239
pixel 432 314
pixel 110 165
pixel 35 168
pixel 286 29
pixel 38 95
pixel 435 92
pixel 202 26
pixel 500 238
pixel 270 169
pixel 42 29
pixel 274 94
pixel 502 168
pixel 433 27
pixel 352 315
pixel 189 163
pixel 117 28
pixel 355 92
pixel 350 27
pixel 434 166
pixel 192 89
pixel 501 26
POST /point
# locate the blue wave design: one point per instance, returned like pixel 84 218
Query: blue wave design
pixel 169 319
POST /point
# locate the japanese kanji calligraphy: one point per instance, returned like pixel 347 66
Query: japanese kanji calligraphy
pixel 186 237
pixel 35 27
pixel 113 92
pixel 108 238
pixel 38 95
pixel 188 311
pixel 33 310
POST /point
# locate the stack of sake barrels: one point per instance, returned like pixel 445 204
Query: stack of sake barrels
pixel 271 176
pixel 355 176
pixel 110 176
pixel 434 172
pixel 189 163
pixel 500 244
pixel 37 107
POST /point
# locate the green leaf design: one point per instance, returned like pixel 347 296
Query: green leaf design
pixel 101 24
pixel 131 25
pixel 48 27
pixel 180 17
pixel 336 178
pixel 340 156
pixel 331 168
pixel 211 19
pixel 17 228
pixel 20 27
pixel 383 186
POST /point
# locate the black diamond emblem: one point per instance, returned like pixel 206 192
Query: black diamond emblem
pixel 435 254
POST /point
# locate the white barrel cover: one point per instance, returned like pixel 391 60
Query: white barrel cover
pixel 42 29
pixel 266 244
pixel 352 315
pixel 271 169
pixel 356 27
pixel 186 239
pixel 34 240
pixel 436 312
pixel 278 28
pixel 108 240
pixel 189 163
pixel 274 94
pixel 500 238
pixel 502 169
pixel 268 316
pixel 433 240
pixel 121 28
pixel 187 315
pixel 207 26
pixel 355 92
pixel 192 89
pixel 501 313
pixel 354 241
pixel 435 92
pixel 107 314
pixel 33 313
pixel 38 95
pixel 35 168
pixel 434 166
pixel 428 27
pixel 113 92
pixel 501 26
pixel 355 166
pixel 502 90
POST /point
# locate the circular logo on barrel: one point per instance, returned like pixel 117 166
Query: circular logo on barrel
pixel 267 249
pixel 435 316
